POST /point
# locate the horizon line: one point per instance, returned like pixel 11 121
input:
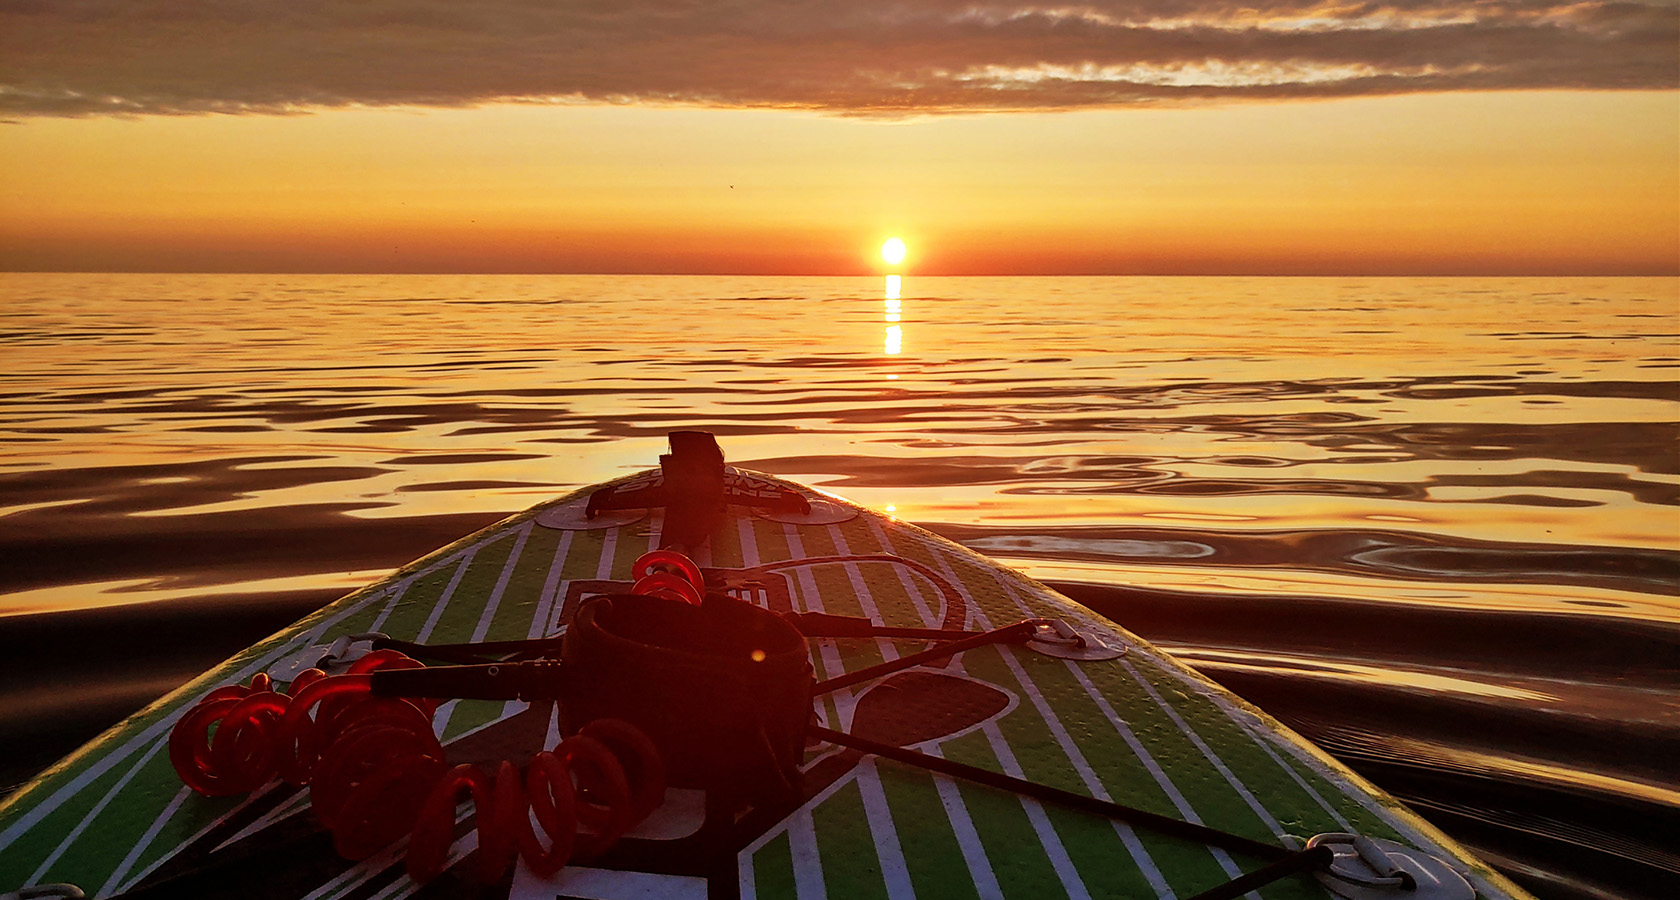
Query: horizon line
pixel 1231 273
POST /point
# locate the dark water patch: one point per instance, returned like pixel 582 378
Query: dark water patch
pixel 1605 647
pixel 1557 857
pixel 645 425
pixel 470 486
pixel 100 396
pixel 116 491
pixel 47 548
pixel 1109 475
pixel 1577 336
pixel 501 429
pixel 1402 555
pixel 1171 393
pixel 456 459
pixel 232 405
pixel 584 439
pixel 1645 445
pixel 1250 461
pixel 366 414
pixel 56 337
pixel 1426 702
pixel 922 471
pixel 372 426
pixel 1235 488
pixel 100 524
pixel 225 429
pixel 1626 390
pixel 1533 500
pixel 314 389
pixel 71 674
pixel 542 392
pixel 64 429
pixel 1447 393
pixel 1657 493
pixel 1569 840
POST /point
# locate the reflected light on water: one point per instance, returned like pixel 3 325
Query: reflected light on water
pixel 1479 472
pixel 894 341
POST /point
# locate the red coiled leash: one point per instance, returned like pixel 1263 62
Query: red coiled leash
pixel 377 772
pixel 669 574
pixel 260 732
pixel 582 781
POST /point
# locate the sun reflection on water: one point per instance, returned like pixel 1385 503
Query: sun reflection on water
pixel 893 343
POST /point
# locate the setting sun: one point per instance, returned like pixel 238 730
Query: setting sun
pixel 892 252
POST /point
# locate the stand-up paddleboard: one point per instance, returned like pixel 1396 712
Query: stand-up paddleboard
pixel 1052 753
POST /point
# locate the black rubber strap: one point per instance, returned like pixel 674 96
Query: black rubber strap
pixel 810 624
pixel 816 624
pixel 1299 861
pixel 480 652
pixel 1174 827
pixel 1017 633
pixel 529 681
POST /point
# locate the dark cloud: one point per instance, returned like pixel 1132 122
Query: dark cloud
pixel 872 58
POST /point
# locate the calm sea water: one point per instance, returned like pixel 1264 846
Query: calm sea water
pixel 1434 525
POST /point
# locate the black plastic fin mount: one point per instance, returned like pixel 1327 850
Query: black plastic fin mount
pixel 694 489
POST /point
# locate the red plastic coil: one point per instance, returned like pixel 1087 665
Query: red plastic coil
pixel 377 772
pixel 583 782
pixel 667 573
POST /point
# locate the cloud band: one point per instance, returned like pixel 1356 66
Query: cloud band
pixel 862 58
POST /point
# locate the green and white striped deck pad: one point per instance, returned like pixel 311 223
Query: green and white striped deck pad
pixel 1142 730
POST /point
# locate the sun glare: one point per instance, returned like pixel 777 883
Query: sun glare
pixel 892 252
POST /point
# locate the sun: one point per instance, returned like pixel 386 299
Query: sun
pixel 892 252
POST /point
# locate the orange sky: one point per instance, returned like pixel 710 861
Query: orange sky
pixel 1262 169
